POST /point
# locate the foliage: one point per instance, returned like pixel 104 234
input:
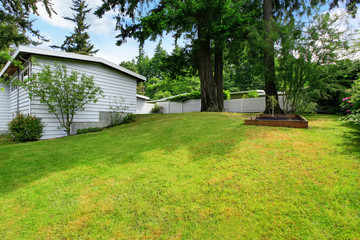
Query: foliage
pixel 351 103
pixel 303 61
pixel 185 181
pixel 5 56
pixel 129 118
pixel 195 95
pixel 117 110
pixel 157 88
pixel 208 25
pixel 337 77
pixel 226 94
pixel 88 130
pixel 186 97
pixel 131 65
pixel 25 128
pixel 64 93
pixel 79 41
pixel 272 102
pixel 15 22
pixel 251 94
pixel 157 109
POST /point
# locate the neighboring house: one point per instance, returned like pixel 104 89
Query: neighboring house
pixel 115 81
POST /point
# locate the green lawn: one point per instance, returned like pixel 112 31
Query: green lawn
pixel 185 176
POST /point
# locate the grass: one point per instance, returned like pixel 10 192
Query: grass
pixel 185 176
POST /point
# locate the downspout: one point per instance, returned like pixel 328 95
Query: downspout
pixel 29 75
pixel 17 93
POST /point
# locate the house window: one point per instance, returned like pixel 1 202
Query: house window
pixel 13 86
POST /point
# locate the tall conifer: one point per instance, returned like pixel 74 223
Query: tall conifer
pixel 79 41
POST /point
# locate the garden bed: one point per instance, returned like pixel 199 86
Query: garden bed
pixel 278 120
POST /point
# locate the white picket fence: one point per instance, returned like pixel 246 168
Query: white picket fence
pixel 243 105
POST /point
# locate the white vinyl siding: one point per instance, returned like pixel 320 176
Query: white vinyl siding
pixel 19 98
pixel 4 107
pixel 112 82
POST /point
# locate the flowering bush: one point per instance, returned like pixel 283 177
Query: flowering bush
pixel 351 103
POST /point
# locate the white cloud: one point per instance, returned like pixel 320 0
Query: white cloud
pixel 62 8
pixel 102 26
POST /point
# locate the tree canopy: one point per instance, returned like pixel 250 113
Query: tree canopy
pixel 207 24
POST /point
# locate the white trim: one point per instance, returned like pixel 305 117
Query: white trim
pixel 142 97
pixel 45 52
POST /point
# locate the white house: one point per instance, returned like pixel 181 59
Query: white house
pixel 115 81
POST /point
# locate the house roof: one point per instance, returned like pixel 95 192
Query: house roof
pixel 23 50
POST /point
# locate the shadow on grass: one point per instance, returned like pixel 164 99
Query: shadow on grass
pixel 352 139
pixel 202 134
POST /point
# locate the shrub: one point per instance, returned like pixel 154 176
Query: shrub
pixel 25 128
pixel 251 94
pixel 226 94
pixel 195 95
pixel 129 118
pixel 87 130
pixel 157 109
pixel 351 103
pixel 117 110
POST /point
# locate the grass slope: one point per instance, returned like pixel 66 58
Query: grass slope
pixel 185 176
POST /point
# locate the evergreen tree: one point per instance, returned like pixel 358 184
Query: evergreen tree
pixel 78 42
pixel 15 24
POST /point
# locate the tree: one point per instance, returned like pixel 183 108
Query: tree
pixel 305 59
pixel 273 12
pixel 79 41
pixel 206 23
pixel 64 93
pixel 15 22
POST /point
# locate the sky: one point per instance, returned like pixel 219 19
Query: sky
pixel 101 32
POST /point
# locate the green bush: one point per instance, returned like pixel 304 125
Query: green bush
pixel 129 118
pixel 157 109
pixel 195 95
pixel 25 128
pixel 87 130
pixel 251 94
pixel 226 94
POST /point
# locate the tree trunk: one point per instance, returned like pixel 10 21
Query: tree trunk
pixel 219 77
pixel 269 54
pixel 209 101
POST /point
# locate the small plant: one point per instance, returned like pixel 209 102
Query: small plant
pixel 129 118
pixel 157 109
pixel 87 130
pixel 117 110
pixel 25 128
pixel 272 102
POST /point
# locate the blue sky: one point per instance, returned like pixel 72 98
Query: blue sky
pixel 101 32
